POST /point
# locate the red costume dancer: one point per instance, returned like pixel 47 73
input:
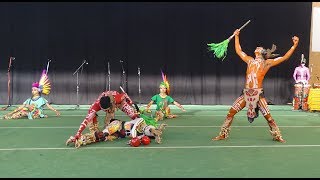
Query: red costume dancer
pixel 301 77
pixel 252 96
pixel 108 102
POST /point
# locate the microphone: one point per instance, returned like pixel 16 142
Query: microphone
pixel 13 58
pixel 123 72
pixel 85 62
pixel 138 70
pixel 49 60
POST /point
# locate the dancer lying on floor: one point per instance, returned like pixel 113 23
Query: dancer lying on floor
pixel 121 129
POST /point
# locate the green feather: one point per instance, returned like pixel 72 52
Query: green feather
pixel 219 49
pixel 149 120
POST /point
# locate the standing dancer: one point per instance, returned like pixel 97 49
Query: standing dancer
pixel 252 96
pixel 301 77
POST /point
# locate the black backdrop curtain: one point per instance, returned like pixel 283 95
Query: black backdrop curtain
pixel 151 36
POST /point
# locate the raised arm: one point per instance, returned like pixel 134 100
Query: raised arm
pixel 278 60
pixel 237 46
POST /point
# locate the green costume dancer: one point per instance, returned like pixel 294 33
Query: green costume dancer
pixel 163 100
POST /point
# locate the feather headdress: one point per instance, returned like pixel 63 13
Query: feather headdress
pixel 303 60
pixel 165 82
pixel 268 53
pixel 44 85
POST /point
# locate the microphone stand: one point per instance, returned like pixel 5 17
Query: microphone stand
pixel 123 81
pixel 48 66
pixel 48 63
pixel 78 84
pixel 9 99
pixel 108 77
pixel 139 86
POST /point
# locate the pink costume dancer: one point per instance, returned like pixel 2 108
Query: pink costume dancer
pixel 301 76
pixel 108 102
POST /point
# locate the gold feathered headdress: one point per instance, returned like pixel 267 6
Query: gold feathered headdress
pixel 44 85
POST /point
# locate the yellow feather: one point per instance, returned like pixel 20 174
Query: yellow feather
pixel 45 83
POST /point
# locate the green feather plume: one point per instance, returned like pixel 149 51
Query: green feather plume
pixel 219 49
pixel 149 120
